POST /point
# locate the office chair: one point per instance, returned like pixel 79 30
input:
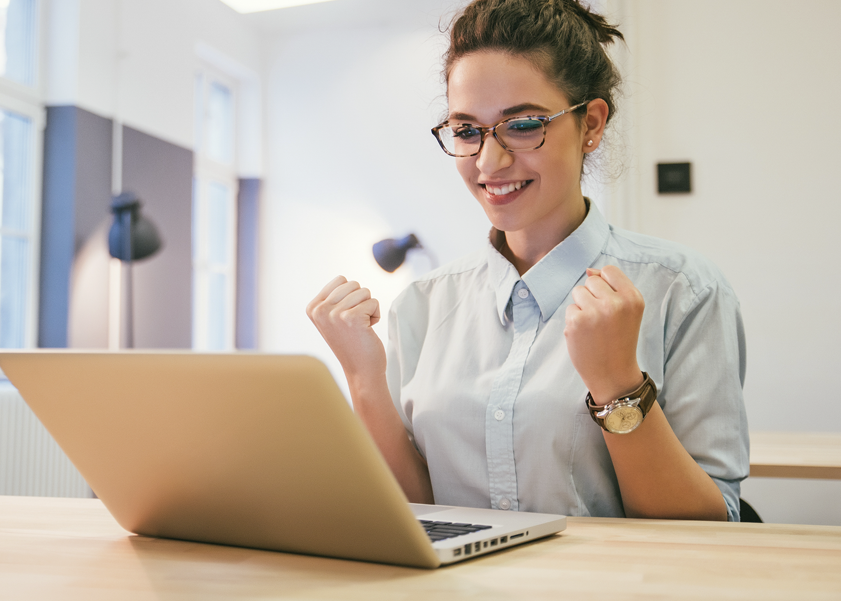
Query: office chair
pixel 748 513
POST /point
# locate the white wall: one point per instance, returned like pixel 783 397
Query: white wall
pixel 744 90
pixel 136 58
pixel 747 91
pixel 751 100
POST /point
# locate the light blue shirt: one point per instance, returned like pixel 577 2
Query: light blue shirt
pixel 480 374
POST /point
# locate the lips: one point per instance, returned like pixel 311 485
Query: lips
pixel 504 193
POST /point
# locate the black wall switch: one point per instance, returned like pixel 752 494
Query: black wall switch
pixel 674 178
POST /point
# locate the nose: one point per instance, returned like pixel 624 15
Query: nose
pixel 493 157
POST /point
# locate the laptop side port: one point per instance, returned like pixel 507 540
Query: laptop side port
pixel 503 539
pixel 477 547
pixel 468 549
pixel 494 542
pixel 513 536
pixel 457 552
pixel 485 544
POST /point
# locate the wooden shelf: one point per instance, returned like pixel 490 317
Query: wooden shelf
pixel 795 455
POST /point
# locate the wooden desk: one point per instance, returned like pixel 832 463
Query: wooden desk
pixel 795 455
pixel 72 549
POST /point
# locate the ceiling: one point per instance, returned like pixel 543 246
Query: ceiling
pixel 354 13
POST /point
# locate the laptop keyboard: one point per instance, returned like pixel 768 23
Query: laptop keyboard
pixel 443 530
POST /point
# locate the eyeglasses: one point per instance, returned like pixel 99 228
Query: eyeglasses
pixel 514 134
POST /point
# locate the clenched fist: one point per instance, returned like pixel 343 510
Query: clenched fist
pixel 602 328
pixel 344 314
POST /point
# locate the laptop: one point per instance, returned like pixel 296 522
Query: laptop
pixel 242 449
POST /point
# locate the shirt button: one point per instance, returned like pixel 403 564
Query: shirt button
pixel 499 414
pixel 504 504
pixel 523 293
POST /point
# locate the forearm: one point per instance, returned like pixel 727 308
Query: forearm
pixel 657 476
pixel 372 403
pixel 345 314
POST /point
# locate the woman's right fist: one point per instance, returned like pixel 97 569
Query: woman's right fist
pixel 344 314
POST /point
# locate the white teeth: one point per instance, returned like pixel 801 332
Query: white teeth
pixel 506 189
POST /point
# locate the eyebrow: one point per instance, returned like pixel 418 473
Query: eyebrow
pixel 513 110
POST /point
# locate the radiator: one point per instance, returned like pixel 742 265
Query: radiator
pixel 31 462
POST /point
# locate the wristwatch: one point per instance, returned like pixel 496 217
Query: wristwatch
pixel 625 414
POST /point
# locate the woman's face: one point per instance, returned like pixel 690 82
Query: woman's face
pixel 487 87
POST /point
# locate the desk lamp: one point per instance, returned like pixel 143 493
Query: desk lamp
pixel 132 237
pixel 391 253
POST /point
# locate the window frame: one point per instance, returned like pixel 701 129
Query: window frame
pixel 207 171
pixel 28 102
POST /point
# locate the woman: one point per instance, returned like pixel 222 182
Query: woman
pixel 524 376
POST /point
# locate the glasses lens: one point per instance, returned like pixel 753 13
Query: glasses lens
pixel 521 134
pixel 461 140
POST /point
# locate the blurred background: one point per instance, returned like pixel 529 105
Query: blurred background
pixel 272 149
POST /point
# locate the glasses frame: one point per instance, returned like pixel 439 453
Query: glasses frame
pixel 484 131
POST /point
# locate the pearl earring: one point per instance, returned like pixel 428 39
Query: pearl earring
pixel 590 143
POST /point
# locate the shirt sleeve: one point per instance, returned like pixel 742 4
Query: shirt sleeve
pixel 701 394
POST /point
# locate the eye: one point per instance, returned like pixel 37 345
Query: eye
pixel 524 127
pixel 465 132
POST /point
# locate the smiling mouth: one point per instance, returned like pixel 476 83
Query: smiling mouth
pixel 505 188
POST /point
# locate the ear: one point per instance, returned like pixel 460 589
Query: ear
pixel 594 124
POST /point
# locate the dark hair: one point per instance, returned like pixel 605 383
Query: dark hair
pixel 561 37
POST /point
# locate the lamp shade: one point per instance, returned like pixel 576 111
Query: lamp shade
pixel 391 253
pixel 132 236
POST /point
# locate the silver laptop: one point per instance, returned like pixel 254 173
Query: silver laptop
pixel 250 450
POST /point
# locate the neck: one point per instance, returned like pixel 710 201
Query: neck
pixel 524 248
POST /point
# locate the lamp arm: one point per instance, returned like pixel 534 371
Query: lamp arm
pixel 125 218
pixel 433 260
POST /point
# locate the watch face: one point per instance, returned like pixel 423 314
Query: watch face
pixel 623 420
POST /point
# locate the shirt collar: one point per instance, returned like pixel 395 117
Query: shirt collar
pixel 554 276
pixel 503 275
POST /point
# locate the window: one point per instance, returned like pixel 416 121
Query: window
pixel 17 232
pixel 21 121
pixel 214 213
pixel 18 30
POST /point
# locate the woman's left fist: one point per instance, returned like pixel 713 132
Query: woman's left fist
pixel 602 329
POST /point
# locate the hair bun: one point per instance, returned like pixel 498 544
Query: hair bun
pixel 605 32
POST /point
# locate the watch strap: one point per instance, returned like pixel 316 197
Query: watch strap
pixel 646 393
